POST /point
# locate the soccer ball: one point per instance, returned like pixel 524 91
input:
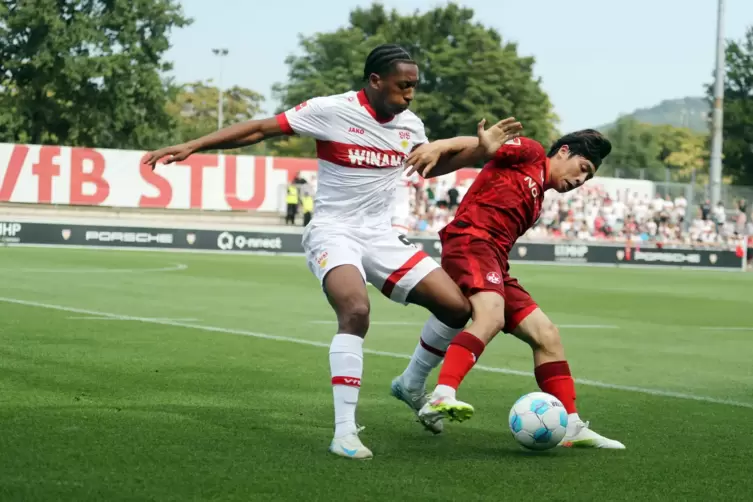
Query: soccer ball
pixel 538 421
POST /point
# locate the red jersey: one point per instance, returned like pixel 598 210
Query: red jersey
pixel 505 199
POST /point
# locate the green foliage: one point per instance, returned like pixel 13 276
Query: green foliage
pixel 738 110
pixel 467 72
pixel 654 148
pixel 193 108
pixel 86 72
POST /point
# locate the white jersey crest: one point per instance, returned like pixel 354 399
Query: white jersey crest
pixel 360 157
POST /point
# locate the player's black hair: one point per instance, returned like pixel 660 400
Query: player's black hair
pixel 587 143
pixel 383 58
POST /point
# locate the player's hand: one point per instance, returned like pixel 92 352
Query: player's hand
pixel 423 159
pixel 497 135
pixel 169 154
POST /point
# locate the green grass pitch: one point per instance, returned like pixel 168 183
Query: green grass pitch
pixel 123 377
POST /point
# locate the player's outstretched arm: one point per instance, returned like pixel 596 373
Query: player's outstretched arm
pixel 234 136
pixel 448 155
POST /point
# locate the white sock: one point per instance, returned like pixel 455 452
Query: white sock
pixel 346 366
pixel 573 418
pixel 444 391
pixel 435 338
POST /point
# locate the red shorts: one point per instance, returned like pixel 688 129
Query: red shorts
pixel 478 265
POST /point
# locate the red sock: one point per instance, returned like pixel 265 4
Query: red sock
pixel 554 378
pixel 462 354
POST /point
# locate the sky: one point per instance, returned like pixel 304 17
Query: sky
pixel 597 58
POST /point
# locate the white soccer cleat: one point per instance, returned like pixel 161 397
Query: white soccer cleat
pixel 579 435
pixel 445 406
pixel 350 446
pixel 415 401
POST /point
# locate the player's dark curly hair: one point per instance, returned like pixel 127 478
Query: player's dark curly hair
pixel 588 143
pixel 383 58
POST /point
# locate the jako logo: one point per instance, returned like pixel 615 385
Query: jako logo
pixel 375 159
pixel 356 130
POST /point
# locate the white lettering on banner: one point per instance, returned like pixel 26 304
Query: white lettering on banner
pixel 9 229
pixel 649 256
pixel 49 174
pixel 140 237
pixel 570 251
pixel 226 241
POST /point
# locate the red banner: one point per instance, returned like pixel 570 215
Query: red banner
pixel 117 178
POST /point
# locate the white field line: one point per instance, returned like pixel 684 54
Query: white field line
pixel 412 323
pixel 172 268
pixel 727 328
pixel 106 318
pixel 506 371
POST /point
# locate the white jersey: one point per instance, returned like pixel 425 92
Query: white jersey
pixel 360 157
pixel 405 194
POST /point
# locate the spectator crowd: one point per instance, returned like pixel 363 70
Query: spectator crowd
pixel 592 214
pixel 589 214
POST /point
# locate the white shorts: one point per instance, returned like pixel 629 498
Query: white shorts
pixel 386 259
pixel 403 220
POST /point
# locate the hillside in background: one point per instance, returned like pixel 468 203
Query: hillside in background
pixel 691 112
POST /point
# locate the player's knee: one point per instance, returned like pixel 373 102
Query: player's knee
pixel 353 318
pixel 547 339
pixel 455 311
pixel 489 313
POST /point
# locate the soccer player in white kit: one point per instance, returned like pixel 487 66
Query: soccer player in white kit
pixel 362 140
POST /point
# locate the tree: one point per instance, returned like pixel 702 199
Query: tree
pixel 467 72
pixel 737 127
pixel 86 72
pixel 684 151
pixel 638 146
pixel 634 147
pixel 194 107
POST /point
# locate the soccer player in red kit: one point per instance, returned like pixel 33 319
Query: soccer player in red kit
pixel 502 204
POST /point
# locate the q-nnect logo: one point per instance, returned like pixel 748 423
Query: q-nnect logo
pixel 227 241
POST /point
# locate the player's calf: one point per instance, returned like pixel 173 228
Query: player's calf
pixel 553 376
pixel 347 294
pixel 546 344
pixel 462 354
pixel 466 348
pixel 450 312
pixel 550 367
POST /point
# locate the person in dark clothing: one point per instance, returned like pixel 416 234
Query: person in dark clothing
pixel 292 199
pixel 307 206
pixel 705 210
pixel 453 195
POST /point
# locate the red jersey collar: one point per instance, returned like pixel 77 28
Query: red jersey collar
pixel 364 101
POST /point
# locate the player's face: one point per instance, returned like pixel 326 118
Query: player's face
pixel 570 171
pixel 397 88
